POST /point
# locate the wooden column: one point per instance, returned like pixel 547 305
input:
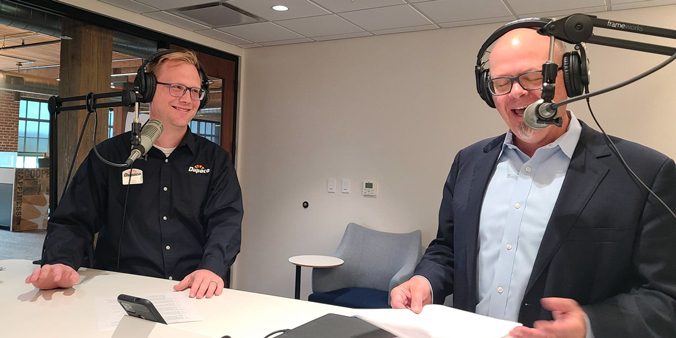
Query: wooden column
pixel 85 67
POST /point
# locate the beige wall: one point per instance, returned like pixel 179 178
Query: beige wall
pixel 395 109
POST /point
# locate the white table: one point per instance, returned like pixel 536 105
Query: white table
pixel 312 261
pixel 28 312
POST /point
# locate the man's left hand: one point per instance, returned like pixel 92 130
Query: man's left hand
pixel 568 321
pixel 202 283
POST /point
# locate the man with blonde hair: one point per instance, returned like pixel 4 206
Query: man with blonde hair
pixel 178 218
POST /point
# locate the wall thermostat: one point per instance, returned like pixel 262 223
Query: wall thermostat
pixel 370 188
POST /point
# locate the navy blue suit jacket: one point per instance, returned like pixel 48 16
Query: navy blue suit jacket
pixel 609 245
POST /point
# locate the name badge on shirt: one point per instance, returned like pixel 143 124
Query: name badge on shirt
pixel 132 176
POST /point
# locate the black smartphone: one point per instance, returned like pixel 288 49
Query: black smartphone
pixel 140 308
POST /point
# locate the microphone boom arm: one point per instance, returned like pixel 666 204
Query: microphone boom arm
pixel 579 28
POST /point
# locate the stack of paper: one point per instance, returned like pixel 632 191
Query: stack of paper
pixel 437 321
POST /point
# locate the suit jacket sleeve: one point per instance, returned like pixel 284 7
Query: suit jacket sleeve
pixel 437 264
pixel 648 308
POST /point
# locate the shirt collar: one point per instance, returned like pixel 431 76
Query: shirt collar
pixel 567 142
pixel 189 140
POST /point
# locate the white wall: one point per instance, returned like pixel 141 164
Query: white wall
pixel 395 109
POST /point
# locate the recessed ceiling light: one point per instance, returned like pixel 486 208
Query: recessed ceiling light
pixel 280 8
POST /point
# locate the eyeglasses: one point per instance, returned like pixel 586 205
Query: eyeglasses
pixel 503 85
pixel 178 90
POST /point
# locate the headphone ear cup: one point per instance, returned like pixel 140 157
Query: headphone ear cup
pixel 572 71
pixel 205 86
pixel 151 85
pixel 205 100
pixel 482 87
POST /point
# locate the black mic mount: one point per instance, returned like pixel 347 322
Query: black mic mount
pixel 124 98
pixel 578 28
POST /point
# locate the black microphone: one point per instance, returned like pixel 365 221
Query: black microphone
pixel 149 134
pixel 540 114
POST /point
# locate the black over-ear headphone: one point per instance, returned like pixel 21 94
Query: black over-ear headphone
pixel 145 83
pixel 575 67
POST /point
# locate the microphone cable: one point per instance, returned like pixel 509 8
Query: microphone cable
pixel 554 106
pixel 616 151
pixel 124 215
pixel 112 164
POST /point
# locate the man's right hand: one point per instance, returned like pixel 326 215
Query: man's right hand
pixel 412 294
pixel 53 276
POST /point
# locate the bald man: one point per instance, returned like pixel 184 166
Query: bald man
pixel 546 227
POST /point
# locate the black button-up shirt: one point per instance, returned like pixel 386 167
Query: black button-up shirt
pixel 185 215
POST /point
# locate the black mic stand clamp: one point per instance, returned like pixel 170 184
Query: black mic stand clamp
pixel 549 71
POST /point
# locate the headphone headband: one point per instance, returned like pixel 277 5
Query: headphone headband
pixel 521 23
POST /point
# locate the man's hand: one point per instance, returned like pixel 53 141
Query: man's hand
pixel 201 283
pixel 412 294
pixel 569 321
pixel 53 276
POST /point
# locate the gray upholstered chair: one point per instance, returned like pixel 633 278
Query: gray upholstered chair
pixel 375 263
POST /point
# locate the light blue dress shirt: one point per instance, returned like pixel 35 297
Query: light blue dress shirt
pixel 516 209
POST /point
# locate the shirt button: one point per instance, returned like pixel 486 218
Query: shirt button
pixel 165 188
pixel 517 205
pixel 500 289
pixel 164 218
pixel 166 160
pixel 167 247
pixel 171 278
pixel 509 247
pixel 528 169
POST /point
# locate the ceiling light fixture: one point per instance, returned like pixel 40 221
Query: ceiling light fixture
pixel 280 8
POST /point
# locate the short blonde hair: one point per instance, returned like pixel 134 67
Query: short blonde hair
pixel 182 56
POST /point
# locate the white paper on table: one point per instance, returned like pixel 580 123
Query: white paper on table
pixel 173 306
pixel 436 321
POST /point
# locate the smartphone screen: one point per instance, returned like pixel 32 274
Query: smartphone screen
pixel 140 308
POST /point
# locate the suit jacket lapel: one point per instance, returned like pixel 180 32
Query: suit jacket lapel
pixel 481 176
pixel 584 174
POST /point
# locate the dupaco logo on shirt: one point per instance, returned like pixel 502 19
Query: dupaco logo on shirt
pixel 198 169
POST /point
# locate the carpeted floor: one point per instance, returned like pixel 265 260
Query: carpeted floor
pixel 21 245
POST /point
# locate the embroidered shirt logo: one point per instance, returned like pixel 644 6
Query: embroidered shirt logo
pixel 198 169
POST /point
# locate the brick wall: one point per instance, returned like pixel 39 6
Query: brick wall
pixel 9 121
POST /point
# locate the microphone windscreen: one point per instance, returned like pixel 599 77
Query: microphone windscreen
pixel 150 133
pixel 530 117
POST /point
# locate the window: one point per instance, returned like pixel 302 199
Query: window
pixel 33 133
pixel 209 130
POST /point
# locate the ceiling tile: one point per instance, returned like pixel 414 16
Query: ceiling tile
pixel 386 18
pixel 562 13
pixel 628 4
pixel 502 19
pixel 320 25
pixel 453 10
pixel 285 42
pixel 342 36
pixel 131 5
pixel 170 4
pixel 175 20
pixel 263 8
pixel 261 32
pixel 522 7
pixel 339 6
pixel 221 36
pixel 404 29
pixel 250 45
